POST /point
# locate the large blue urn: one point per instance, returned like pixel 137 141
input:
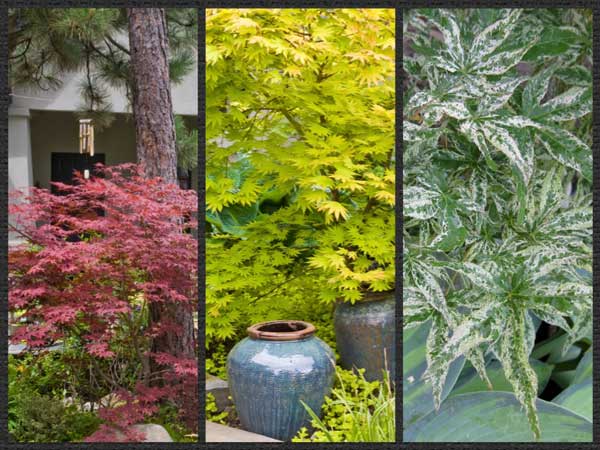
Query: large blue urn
pixel 278 365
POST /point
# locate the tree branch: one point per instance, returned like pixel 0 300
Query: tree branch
pixel 20 55
pixel 292 121
pixel 116 44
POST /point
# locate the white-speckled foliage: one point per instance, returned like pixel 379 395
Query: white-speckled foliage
pixel 497 186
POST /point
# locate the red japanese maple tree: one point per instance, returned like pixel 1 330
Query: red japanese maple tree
pixel 93 259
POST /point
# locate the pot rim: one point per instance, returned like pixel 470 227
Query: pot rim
pixel 255 332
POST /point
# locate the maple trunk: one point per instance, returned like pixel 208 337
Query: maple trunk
pixel 155 144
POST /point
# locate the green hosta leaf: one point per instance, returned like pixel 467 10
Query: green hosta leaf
pixel 578 398
pixel 552 350
pixel 563 378
pixel 585 367
pixel 497 417
pixel 231 219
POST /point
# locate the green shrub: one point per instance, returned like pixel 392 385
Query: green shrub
pixel 212 412
pixel 41 418
pixel 356 411
pixel 36 412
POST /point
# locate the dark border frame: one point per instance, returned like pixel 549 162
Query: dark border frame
pixel 399 5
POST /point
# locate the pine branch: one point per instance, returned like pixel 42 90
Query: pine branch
pixel 119 46
pixel 22 54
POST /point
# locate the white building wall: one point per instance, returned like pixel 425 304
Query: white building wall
pixel 20 174
pixel 68 96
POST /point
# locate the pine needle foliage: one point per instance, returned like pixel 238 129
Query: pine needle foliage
pixel 300 159
pixel 497 185
pixel 44 43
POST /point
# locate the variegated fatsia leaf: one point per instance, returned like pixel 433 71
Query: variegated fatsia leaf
pixel 513 352
pixel 420 203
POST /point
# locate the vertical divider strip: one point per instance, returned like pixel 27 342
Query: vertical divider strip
pixel 399 224
pixel 201 224
pixel 596 220
pixel 4 223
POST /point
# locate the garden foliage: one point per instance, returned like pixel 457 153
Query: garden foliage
pixel 356 411
pixel 300 162
pixel 36 408
pixel 497 189
pixel 94 258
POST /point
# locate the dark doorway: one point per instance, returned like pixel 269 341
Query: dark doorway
pixel 64 164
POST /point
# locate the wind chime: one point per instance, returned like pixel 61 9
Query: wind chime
pixel 86 141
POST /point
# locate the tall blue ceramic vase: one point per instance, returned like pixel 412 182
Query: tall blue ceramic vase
pixel 365 334
pixel 279 364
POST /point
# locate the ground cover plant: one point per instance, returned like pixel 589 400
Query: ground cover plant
pixel 300 166
pixel 356 411
pixel 94 257
pixel 497 238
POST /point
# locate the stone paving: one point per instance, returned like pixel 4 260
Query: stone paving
pixel 216 432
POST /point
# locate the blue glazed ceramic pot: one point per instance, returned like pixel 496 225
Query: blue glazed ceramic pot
pixel 269 372
pixel 365 334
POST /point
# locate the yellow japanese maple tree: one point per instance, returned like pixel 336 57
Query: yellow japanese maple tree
pixel 300 158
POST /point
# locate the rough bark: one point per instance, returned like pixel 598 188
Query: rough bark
pixel 152 104
pixel 155 143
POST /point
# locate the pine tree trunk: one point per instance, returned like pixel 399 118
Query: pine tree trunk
pixel 155 144
pixel 152 105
